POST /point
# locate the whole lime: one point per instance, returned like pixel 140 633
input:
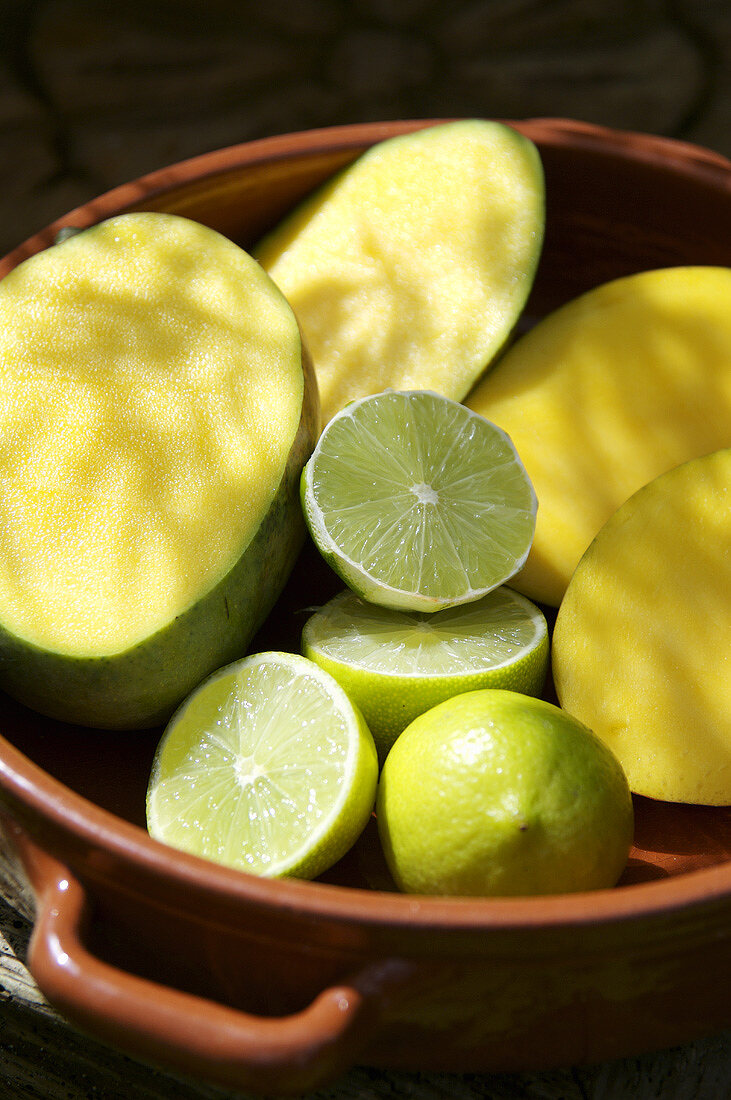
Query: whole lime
pixel 497 793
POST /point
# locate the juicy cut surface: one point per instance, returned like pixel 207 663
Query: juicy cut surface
pixel 150 390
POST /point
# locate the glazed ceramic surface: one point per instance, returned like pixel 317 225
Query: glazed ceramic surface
pixel 292 982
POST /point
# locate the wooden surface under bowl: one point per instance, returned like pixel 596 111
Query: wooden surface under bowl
pixel 304 978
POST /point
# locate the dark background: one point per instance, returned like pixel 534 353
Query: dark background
pixel 93 94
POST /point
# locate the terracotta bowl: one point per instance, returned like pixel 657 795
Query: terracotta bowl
pixel 279 986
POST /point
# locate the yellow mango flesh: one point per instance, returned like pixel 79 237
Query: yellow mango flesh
pixel 410 268
pixel 604 395
pixel 642 642
pixel 150 391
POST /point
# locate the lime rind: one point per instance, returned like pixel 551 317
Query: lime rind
pixel 267 767
pixel 495 794
pixel 417 502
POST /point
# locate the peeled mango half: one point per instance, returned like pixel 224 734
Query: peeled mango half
pixel 642 643
pixel 411 267
pixel 604 395
pixel 156 408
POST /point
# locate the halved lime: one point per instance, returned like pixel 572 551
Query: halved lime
pixel 397 664
pixel 267 767
pixel 417 502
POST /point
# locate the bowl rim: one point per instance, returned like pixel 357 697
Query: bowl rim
pixel 64 823
pixel 672 154
pixel 68 824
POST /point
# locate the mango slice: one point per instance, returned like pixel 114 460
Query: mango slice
pixel 155 413
pixel 642 642
pixel 410 268
pixel 604 395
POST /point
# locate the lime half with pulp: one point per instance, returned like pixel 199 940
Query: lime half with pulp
pixel 267 767
pixel 417 502
pixel 397 664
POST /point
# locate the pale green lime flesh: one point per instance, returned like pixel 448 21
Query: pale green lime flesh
pixel 418 503
pixel 267 767
pixel 397 664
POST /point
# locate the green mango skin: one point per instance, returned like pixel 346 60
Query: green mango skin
pixel 140 688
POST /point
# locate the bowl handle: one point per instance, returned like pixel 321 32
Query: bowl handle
pixel 185 1032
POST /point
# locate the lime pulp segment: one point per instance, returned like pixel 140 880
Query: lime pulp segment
pixel 417 502
pixel 267 767
pixel 493 633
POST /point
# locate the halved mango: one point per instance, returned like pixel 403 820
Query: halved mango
pixel 410 268
pixel 156 408
pixel 604 395
pixel 642 642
